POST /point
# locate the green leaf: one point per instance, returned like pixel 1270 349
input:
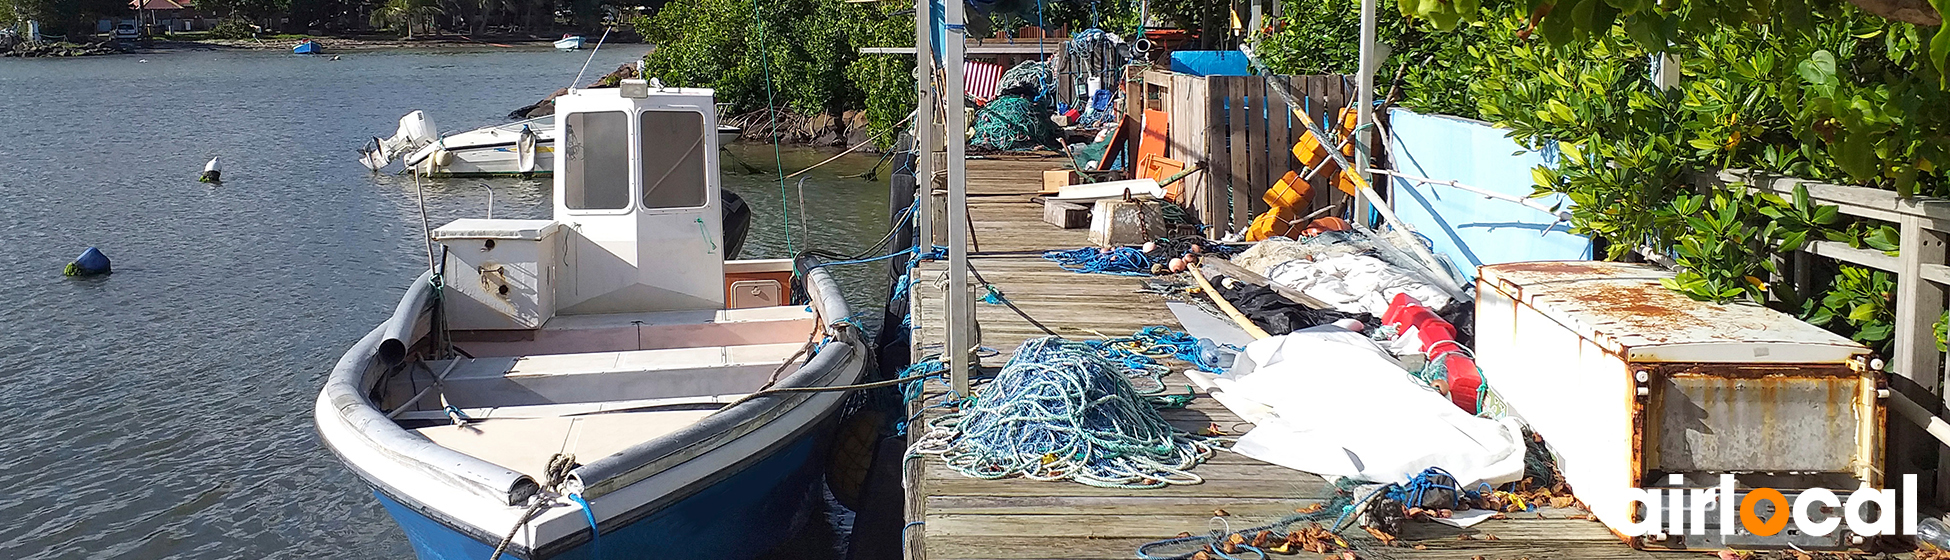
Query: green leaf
pixel 1940 45
pixel 1818 69
pixel 1884 238
pixel 1557 25
pixel 1862 312
pixel 1827 215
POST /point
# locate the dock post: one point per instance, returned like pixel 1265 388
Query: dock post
pixel 961 304
pixel 1364 110
pixel 924 136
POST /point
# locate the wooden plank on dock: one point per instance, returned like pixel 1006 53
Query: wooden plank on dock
pixel 950 516
pixel 1218 173
pixel 1242 177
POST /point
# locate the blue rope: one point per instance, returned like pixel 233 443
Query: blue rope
pixel 1060 411
pixel 595 533
pixel 1122 261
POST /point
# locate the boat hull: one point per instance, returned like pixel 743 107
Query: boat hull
pixel 741 515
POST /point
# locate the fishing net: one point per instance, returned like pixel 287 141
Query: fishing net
pixel 1018 118
pixel 1060 411
pixel 1013 123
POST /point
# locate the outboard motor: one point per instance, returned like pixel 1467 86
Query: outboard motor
pixel 737 222
pixel 415 130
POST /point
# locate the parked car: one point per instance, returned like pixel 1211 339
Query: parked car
pixel 126 31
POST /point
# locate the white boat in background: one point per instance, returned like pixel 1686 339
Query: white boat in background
pixel 518 148
pixel 605 384
pixel 569 42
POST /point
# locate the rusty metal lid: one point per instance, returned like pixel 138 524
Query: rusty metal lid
pixel 1623 308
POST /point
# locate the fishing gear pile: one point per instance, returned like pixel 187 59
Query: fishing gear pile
pixel 1274 312
pixel 1060 411
pixel 1018 118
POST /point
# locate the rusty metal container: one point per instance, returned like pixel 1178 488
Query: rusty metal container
pixel 1632 383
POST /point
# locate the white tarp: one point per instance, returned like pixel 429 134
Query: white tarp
pixel 1354 283
pixel 1340 406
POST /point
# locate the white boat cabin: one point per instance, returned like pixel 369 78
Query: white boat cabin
pixel 637 227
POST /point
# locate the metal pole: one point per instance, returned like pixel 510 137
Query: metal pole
pixel 1364 111
pixel 961 302
pixel 924 125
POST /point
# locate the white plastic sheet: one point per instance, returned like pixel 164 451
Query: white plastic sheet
pixel 1354 283
pixel 1341 406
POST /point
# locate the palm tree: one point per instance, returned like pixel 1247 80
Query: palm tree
pixel 405 14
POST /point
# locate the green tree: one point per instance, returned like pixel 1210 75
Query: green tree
pixel 407 15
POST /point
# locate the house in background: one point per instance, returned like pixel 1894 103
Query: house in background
pixel 172 15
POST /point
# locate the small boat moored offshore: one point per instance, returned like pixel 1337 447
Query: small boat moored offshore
pixel 517 148
pixel 604 384
pixel 308 47
pixel 569 42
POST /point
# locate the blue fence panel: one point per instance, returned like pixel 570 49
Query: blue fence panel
pixel 1472 230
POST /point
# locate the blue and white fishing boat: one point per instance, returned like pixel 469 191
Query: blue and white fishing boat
pixel 308 47
pixel 569 42
pixel 604 384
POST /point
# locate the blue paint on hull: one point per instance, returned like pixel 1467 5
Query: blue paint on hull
pixel 306 47
pixel 739 517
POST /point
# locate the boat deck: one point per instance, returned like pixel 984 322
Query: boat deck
pixel 950 516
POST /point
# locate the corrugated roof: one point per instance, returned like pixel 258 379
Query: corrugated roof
pixel 161 4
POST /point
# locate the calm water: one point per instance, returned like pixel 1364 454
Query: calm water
pixel 165 411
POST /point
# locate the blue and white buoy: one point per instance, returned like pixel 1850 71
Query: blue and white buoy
pixel 91 262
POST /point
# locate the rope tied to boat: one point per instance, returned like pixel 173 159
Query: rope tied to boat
pixel 1061 411
pixel 554 475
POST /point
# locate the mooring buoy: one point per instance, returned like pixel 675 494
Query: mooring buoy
pixel 212 172
pixel 91 262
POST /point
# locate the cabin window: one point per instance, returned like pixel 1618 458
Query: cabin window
pixel 673 159
pixel 596 166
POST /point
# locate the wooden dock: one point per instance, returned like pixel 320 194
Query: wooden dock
pixel 949 516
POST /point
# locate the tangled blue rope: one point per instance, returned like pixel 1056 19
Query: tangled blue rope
pixel 1122 261
pixel 1060 411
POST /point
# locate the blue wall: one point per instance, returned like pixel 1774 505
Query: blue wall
pixel 1210 63
pixel 1468 228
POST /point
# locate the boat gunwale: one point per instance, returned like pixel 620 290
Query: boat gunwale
pixel 345 389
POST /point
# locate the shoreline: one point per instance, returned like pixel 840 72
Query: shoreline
pixel 344 44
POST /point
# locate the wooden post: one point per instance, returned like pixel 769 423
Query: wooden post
pixel 1218 173
pixel 924 136
pixel 1918 303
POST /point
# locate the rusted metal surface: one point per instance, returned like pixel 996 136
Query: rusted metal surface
pixel 1705 388
pixel 1623 308
pixel 1741 417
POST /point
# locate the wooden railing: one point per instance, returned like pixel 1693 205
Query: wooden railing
pixel 1922 275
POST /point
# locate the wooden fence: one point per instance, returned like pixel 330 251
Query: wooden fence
pixel 1243 131
pixel 1922 271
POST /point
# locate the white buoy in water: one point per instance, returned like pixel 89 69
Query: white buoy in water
pixel 213 171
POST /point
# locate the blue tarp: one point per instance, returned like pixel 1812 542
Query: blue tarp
pixel 1468 228
pixel 1210 63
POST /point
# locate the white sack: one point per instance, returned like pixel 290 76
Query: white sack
pixel 1342 407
